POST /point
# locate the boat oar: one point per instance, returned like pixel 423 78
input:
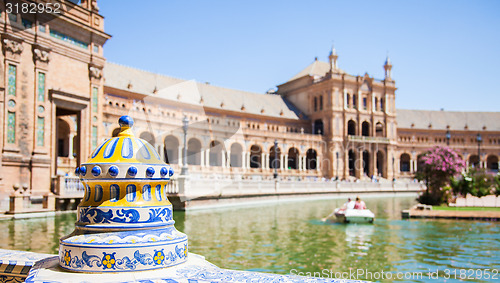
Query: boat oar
pixel 330 215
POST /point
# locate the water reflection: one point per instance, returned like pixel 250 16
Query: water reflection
pixel 284 236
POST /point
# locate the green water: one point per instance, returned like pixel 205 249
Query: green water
pixel 290 237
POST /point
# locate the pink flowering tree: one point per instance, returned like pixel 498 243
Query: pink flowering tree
pixel 436 167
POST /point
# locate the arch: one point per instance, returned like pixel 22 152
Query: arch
pixel 379 129
pixel 492 163
pixel 255 156
pixel 380 164
pixel 115 132
pixel 366 163
pixel 365 129
pixel 311 159
pixel 274 157
pixel 149 137
pixel 193 151
pixel 404 162
pixel 171 149
pixel 474 161
pixel 235 158
pixel 352 160
pixel 351 128
pixel 216 150
pixel 293 158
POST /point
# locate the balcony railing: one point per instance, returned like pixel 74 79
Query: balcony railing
pixel 368 139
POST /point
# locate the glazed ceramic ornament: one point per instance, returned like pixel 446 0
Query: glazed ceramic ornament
pixel 124 221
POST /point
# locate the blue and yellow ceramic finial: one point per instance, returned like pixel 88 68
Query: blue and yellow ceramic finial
pixel 125 220
pixel 126 122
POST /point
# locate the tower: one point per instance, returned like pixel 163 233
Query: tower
pixel 333 59
pixel 388 68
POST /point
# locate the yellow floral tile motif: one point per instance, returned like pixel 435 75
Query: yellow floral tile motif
pixel 67 257
pixel 108 261
pixel 159 257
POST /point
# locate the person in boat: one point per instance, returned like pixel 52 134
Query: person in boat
pixel 348 205
pixel 359 204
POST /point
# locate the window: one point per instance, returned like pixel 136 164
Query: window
pixel 95 99
pixel 382 104
pixel 27 23
pixel 11 127
pixel 364 103
pixel 12 78
pixel 94 137
pixel 12 17
pixel 41 28
pixel 355 101
pixel 41 87
pixel 40 131
pixel 96 48
pixel 68 39
pixel 348 101
pixel 376 104
pixel 321 103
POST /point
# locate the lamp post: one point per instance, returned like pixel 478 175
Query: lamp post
pixel 337 154
pixel 448 137
pixel 479 139
pixel 275 159
pixel 393 170
pixel 184 169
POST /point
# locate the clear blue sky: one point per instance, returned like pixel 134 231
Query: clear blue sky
pixel 445 54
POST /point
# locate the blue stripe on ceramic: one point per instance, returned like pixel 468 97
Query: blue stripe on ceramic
pixel 127 148
pixel 114 191
pixel 110 148
pixel 143 149
pixel 151 149
pixel 98 193
pixel 77 171
pixel 113 170
pixel 132 171
pixel 158 192
pixel 130 193
pixel 83 170
pixel 98 149
pixel 87 193
pixel 146 192
pixel 118 246
pixel 96 171
pixel 150 172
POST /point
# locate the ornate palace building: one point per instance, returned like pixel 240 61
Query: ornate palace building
pixel 59 99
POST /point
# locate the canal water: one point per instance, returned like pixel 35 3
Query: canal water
pixel 289 237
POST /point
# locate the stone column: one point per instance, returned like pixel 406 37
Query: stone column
pixel 286 162
pixel 243 161
pixel 228 158
pixel 300 163
pixel 207 157
pixel 248 160
pixel 161 151
pixel 411 165
pixel 179 156
pixel 70 146
pixel 281 161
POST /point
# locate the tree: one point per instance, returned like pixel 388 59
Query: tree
pixel 436 167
